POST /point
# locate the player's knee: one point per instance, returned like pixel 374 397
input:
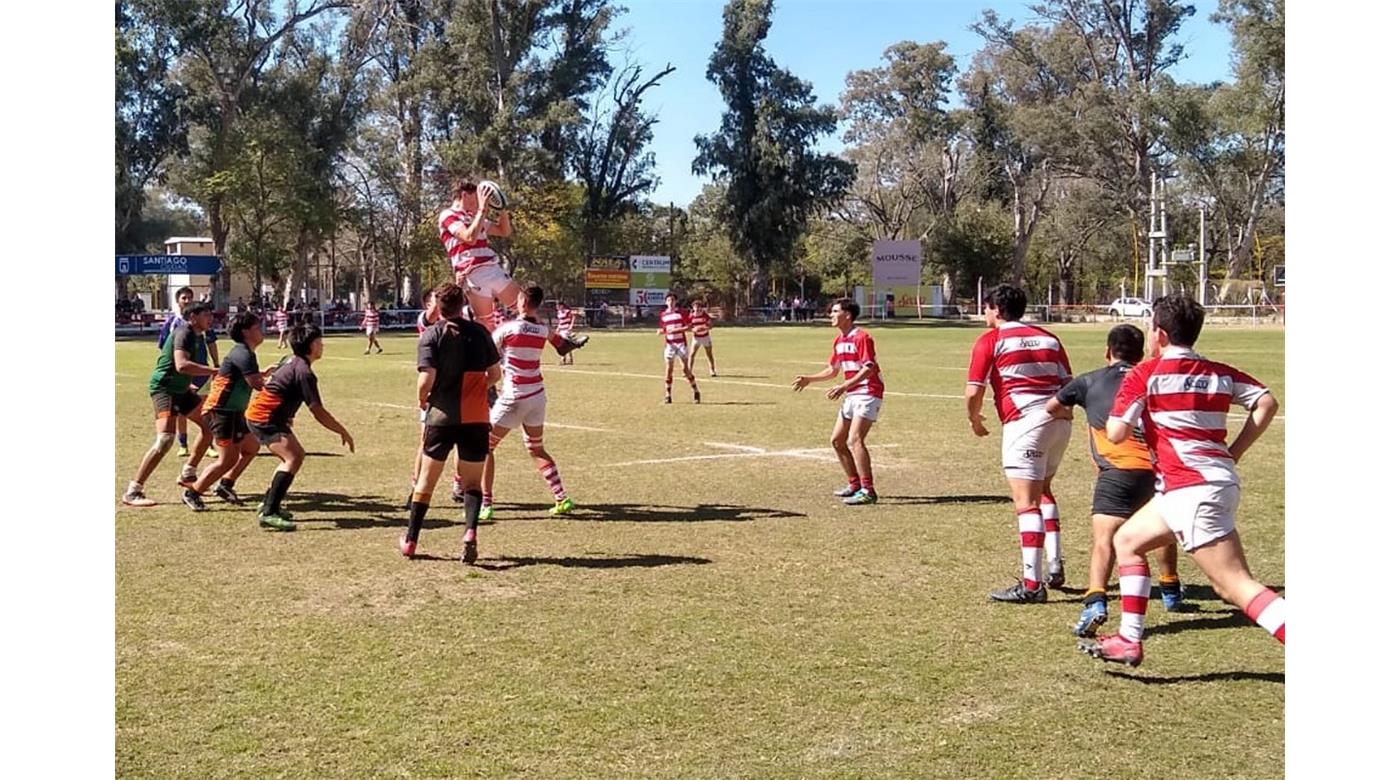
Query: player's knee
pixel 535 447
pixel 838 443
pixel 163 443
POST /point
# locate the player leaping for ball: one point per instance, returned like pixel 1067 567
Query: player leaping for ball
pixel 1181 398
pixel 852 356
pixel 478 211
pixel 1026 366
pixel 522 400
pixel 674 324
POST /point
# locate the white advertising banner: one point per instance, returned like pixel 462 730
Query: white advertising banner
pixel 897 264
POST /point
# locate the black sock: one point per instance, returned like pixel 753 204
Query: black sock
pixel 281 482
pixel 471 506
pixel 417 511
pixel 226 483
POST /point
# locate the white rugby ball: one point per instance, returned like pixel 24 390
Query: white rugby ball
pixel 492 194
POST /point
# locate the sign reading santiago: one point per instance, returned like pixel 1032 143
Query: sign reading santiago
pixel 897 263
pixel 140 265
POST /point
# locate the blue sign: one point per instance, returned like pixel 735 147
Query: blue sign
pixel 141 265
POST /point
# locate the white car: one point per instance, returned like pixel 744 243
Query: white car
pixel 1130 307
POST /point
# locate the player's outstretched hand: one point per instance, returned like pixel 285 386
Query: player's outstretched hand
pixel 799 383
pixel 835 392
pixel 978 428
pixel 348 440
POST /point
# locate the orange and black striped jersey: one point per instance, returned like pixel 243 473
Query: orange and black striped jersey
pixel 290 386
pixel 230 391
pixel 1095 392
pixel 461 352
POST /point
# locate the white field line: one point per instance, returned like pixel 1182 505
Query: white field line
pixel 552 424
pixel 547 424
pixel 708 380
pixel 811 453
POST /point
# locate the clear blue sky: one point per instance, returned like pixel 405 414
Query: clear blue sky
pixel 821 41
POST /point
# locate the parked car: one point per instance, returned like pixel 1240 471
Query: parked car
pixel 1130 307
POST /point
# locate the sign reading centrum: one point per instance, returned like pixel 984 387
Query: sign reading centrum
pixel 141 265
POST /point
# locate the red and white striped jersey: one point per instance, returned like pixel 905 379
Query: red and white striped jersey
pixel 423 323
pixel 675 324
pixel 281 318
pixel 1182 400
pixel 565 315
pixel 1026 366
pixel 700 322
pixel 852 352
pixel 521 342
pixel 371 318
pixel 464 256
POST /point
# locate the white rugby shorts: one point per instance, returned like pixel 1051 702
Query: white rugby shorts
pixel 853 406
pixel 675 351
pixel 1199 514
pixel 1032 447
pixel 512 413
pixel 702 341
pixel 488 281
pixel 370 331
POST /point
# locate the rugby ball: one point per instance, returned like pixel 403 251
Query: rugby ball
pixel 490 193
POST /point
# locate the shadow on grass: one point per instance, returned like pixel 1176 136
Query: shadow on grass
pixel 646 513
pixel 505 562
pixel 362 523
pixel 936 500
pixel 340 502
pixel 1224 619
pixel 1273 677
pixel 267 454
pixel 739 403
pixel 1206 593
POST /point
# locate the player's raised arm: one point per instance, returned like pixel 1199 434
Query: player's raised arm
pixel 500 228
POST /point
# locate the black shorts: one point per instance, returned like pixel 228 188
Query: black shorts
pixel 167 404
pixel 471 440
pixel 227 427
pixel 1120 492
pixel 269 434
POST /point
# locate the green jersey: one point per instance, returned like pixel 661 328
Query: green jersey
pixel 165 377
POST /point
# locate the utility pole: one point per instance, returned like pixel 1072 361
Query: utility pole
pixel 1201 277
pixel 1156 235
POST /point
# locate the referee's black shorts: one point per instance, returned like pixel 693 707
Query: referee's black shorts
pixel 1121 492
pixel 471 440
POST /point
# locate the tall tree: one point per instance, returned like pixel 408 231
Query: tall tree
pixel 150 124
pixel 224 50
pixel 763 153
pixel 1122 51
pixel 904 140
pixel 610 155
pixel 1229 138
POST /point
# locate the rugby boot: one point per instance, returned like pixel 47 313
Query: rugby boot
pixel 1019 594
pixel 1113 649
pixel 1094 615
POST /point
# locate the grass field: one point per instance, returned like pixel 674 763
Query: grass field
pixel 716 617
